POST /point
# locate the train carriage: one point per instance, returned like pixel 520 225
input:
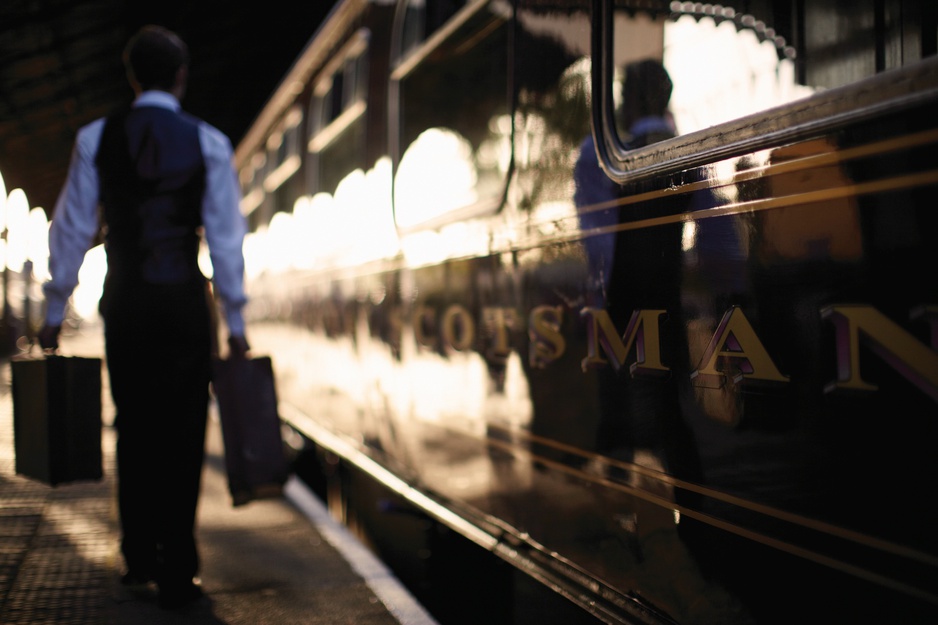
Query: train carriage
pixel 681 376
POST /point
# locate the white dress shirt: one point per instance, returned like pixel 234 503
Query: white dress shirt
pixel 75 219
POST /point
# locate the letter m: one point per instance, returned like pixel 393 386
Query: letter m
pixel 642 333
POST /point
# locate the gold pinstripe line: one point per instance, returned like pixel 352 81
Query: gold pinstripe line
pixel 907 181
pixel 856 571
pixel 769 511
pixel 807 162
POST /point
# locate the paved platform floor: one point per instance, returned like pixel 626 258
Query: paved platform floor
pixel 278 562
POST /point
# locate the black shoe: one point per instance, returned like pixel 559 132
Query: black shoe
pixel 136 586
pixel 132 578
pixel 136 583
pixel 179 596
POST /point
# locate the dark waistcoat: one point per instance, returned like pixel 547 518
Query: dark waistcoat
pixel 152 177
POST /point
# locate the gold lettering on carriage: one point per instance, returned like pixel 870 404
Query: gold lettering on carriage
pixel 735 353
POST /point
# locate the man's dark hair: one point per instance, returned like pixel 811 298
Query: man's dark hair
pixel 153 56
pixel 648 87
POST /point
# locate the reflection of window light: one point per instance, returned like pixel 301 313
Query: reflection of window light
pixel 721 74
pixel 37 242
pixel 90 283
pixel 17 221
pixel 253 250
pixel 280 241
pixel 689 236
pixel 436 175
pixel 425 247
pixel 575 82
pixel 3 203
pixel 205 260
pixel 354 225
pixel 553 217
pixel 321 209
pixel 494 153
pixel 529 138
pixel 379 237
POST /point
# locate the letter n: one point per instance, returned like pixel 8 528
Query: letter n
pixel 897 347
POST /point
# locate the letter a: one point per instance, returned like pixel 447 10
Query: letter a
pixel 735 348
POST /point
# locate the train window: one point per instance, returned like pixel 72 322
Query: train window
pixel 251 178
pixel 684 68
pixel 337 116
pixel 421 21
pixel 283 150
pixel 551 118
pixel 450 142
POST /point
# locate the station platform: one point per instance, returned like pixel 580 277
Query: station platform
pixel 282 561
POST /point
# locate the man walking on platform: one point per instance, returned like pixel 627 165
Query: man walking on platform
pixel 162 179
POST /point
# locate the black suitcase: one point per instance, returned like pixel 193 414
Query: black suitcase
pixel 255 461
pixel 57 418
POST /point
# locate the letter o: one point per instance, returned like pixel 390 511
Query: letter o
pixel 457 329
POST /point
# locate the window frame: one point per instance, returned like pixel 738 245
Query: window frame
pixel 283 150
pixel 816 114
pixel 321 135
pixel 251 181
pixel 403 63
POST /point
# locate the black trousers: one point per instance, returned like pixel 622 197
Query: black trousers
pixel 158 344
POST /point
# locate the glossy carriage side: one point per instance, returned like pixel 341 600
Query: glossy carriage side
pixel 730 422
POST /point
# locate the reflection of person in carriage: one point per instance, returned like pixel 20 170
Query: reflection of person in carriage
pixel 646 93
pixel 637 269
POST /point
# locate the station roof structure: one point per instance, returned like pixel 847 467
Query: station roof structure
pixel 60 68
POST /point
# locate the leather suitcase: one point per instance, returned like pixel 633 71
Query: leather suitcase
pixel 255 461
pixel 57 418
